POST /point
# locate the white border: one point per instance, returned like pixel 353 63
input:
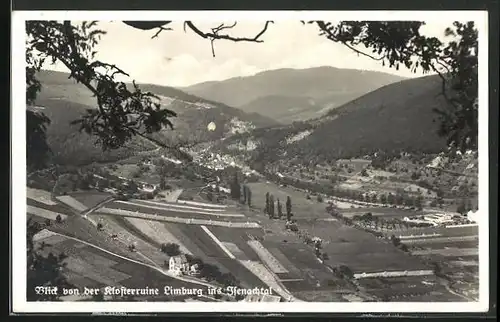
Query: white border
pixel 19 302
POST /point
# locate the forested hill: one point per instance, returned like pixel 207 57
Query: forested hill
pixel 399 116
pixel 288 95
pixel 63 100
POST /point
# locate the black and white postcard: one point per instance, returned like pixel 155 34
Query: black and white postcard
pixel 239 161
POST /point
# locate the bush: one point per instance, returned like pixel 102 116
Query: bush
pixel 171 249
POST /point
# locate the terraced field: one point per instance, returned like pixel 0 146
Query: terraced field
pixel 55 207
pixel 151 252
pixel 82 229
pixel 178 212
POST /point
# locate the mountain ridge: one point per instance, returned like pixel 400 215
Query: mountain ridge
pixel 273 92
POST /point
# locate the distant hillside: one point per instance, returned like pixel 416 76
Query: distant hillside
pixel 395 117
pixel 63 100
pixel 289 95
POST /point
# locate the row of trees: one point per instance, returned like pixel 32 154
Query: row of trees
pixel 272 206
pixel 240 192
pixel 400 199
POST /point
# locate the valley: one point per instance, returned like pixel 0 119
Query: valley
pixel 358 204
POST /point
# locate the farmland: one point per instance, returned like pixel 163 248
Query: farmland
pixel 89 267
pixel 301 207
pixel 269 255
pixel 55 207
pixel 90 198
pixel 149 252
pixel 174 212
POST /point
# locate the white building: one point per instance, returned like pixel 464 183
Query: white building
pixel 178 265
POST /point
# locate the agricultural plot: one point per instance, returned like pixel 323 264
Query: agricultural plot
pixel 180 205
pixel 204 247
pixel 56 207
pixel 377 262
pixel 91 198
pixel 50 240
pixel 464 263
pixel 335 232
pixel 266 257
pixel 202 204
pixel 301 207
pixel 104 275
pixel 234 250
pixel 242 274
pixel 44 213
pixel 187 237
pixel 154 230
pixel 203 241
pixel 381 212
pixel 162 218
pixel 72 203
pixel 111 226
pixel 82 229
pixel 442 231
pixel 447 252
pixel 81 281
pixel 442 241
pixel 183 209
pixel 41 196
pixel 174 213
pixel 302 258
pixel 238 237
pixel 266 276
pixel 90 267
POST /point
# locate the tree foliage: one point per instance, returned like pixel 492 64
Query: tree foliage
pixel 171 249
pixel 45 271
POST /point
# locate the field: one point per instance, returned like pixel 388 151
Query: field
pixel 41 196
pixel 382 212
pixel 201 245
pixel 301 207
pixel 72 203
pixel 90 198
pixel 56 207
pixel 152 231
pixel 82 229
pixel 92 268
pixel 448 252
pixel 44 213
pixel 146 250
pixel 174 212
pixel 441 231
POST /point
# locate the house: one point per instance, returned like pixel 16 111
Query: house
pixel 178 265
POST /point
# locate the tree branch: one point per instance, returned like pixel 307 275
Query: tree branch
pixel 323 27
pixel 215 35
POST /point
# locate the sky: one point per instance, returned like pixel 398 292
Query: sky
pixel 181 58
